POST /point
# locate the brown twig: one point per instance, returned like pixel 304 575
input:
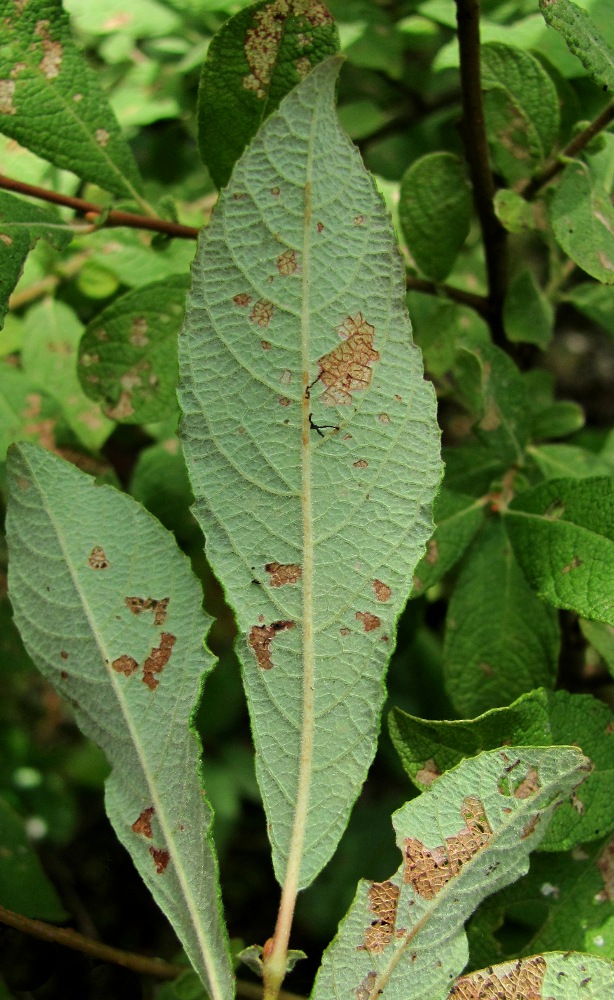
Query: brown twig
pixel 477 302
pixel 530 187
pixel 111 218
pixel 494 235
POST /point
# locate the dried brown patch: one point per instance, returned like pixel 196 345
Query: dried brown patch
pixel 263 40
pixel 429 773
pixel 361 464
pixel 123 408
pixel 138 332
pixel 383 418
pixel 530 827
pixel 346 369
pixel 51 62
pixel 64 675
pixel 161 859
pixel 320 226
pixel 275 192
pixel 157 660
pixel 383 592
pixel 262 313
pixel 364 991
pixel 359 220
pixel 283 573
pixel 521 980
pixel 243 299
pixel 142 825
pixel 7 93
pixel 63 654
pixel 97 558
pixel 383 902
pixel 369 621
pixel 260 638
pixel 159 608
pixel 577 804
pixel 125 665
pixel 284 401
pixel 575 563
pixel 344 631
pixel 266 345
pixel 287 263
pixel 432 552
pixel 528 786
pixel 429 869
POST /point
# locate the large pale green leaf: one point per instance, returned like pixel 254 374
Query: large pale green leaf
pixel 583 38
pixel 312 448
pixel 467 837
pixel 111 614
pixel 556 975
pixel 52 102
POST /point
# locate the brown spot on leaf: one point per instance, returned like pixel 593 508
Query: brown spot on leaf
pixel 383 418
pixel 159 608
pixel 429 773
pixel 97 559
pixel 577 804
pixel 161 859
pixel 344 631
pixel 63 654
pixel 286 376
pixel 383 592
pixel 303 66
pixel 528 786
pixel 157 660
pixel 346 368
pixel 369 621
pixel 266 345
pixel 275 192
pixel 365 990
pixel 260 638
pixel 284 401
pixel 262 42
pixel 138 332
pixel 243 299
pixel 432 552
pixel 122 409
pixel 125 665
pixel 287 263
pixel 521 980
pixel 261 313
pixel 320 226
pixel 283 573
pixel 429 869
pixel 142 825
pixel 383 902
pixel 7 92
pixel 486 669
pixel 359 220
pixel 361 464
pixel 64 675
pixel 52 59
pixel 530 827
pixel 575 563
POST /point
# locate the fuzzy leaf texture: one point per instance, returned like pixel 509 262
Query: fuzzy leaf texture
pixel 467 837
pixel 556 975
pixel 313 452
pixel 583 38
pixel 52 102
pixel 111 614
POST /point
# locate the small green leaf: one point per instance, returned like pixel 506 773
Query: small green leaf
pixel 569 461
pixel 435 208
pixel 563 537
pixel 24 887
pixel 514 212
pixel 110 612
pixel 528 316
pixel 556 975
pixel 521 109
pixel 467 837
pixel 46 79
pixel 582 220
pixel 253 61
pixel 457 518
pixel 500 641
pixel 594 301
pixel 601 638
pixel 128 353
pixel 558 420
pixel 583 38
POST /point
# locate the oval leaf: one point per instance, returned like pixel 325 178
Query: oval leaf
pixel 582 220
pixel 583 38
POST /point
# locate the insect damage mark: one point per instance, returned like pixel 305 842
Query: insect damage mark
pixel 242 299
pixel 138 332
pixel 263 41
pixel 428 773
pixel 369 622
pixel 260 638
pixel 383 902
pixel 429 869
pixel 51 62
pixel 262 313
pixel 524 978
pixel 142 825
pixel 364 991
pixel 125 665
pixel 346 368
pixel 7 93
pixel 528 786
pixel 97 558
pixel 287 263
pixel 283 573
pixel 159 608
pixel 161 859
pixel 157 660
pixel 382 591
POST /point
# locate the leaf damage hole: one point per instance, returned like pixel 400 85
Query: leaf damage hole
pixel 382 591
pixel 262 313
pixel 346 368
pixel 429 869
pixel 142 825
pixel 524 978
pixel 161 859
pixel 159 608
pixel 369 622
pixel 97 558
pixel 157 660
pixel 282 574
pixel 383 902
pixel 260 638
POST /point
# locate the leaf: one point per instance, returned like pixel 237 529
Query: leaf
pixel 111 614
pixel 500 641
pixel 128 353
pixel 457 518
pixel 528 316
pixel 514 212
pixel 563 537
pixel 470 835
pixel 24 412
pixel 556 975
pixel 557 420
pixel 594 301
pixel 44 78
pixel 601 638
pixel 556 461
pixel 253 61
pixel 24 886
pixel 435 209
pixel 304 403
pixel 21 225
pixel 583 38
pixel 582 219
pixel 539 718
pixel 521 109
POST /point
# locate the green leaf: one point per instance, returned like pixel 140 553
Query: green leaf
pixel 304 403
pixel 521 110
pixel 24 887
pixel 582 220
pixel 457 518
pixel 563 537
pixel 98 588
pixel 514 212
pixel 45 78
pixel 500 641
pixel 539 718
pixel 601 638
pixel 49 357
pixel 24 412
pixel 558 420
pixel 435 209
pixel 253 61
pixel 128 353
pixel 594 301
pixel 556 975
pixel 583 38
pixel 528 316
pixel 556 461
pixel 468 836
pixel 21 225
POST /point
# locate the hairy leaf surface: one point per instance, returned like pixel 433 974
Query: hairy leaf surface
pixel 582 220
pixel 556 975
pixel 468 836
pixel 312 449
pixel 109 611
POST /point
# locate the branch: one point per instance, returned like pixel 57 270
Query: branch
pixel 478 302
pixel 494 235
pixel 111 218
pixel 530 187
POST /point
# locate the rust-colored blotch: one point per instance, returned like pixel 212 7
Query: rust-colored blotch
pixel 260 638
